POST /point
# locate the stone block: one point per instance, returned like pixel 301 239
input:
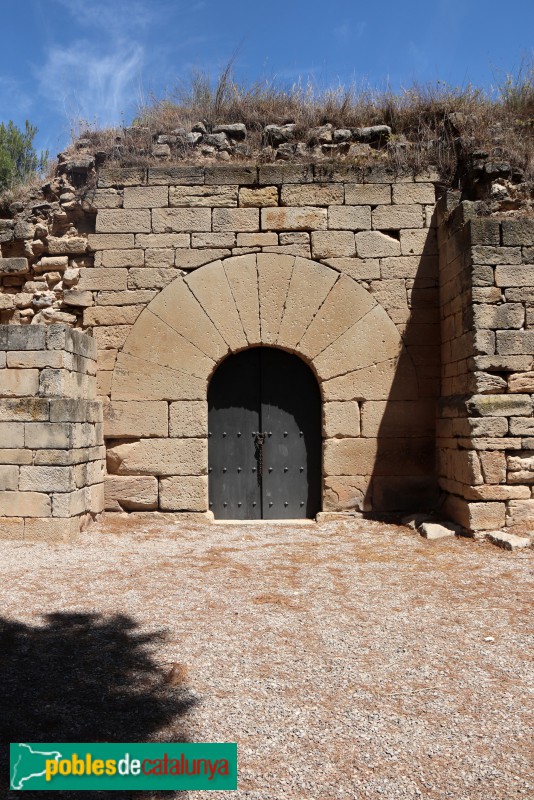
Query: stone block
pixel 515 342
pixel 274 276
pixel 40 435
pixel 522 382
pixel 124 419
pixel 70 504
pixel 475 516
pixel 52 530
pixel 341 419
pixel 396 457
pixel 112 315
pixel 285 173
pixel 24 410
pixel 67 245
pixel 163 457
pixel 508 541
pixel 206 196
pixel 9 478
pixel 408 193
pixel 374 244
pixel 15 456
pixel 19 382
pixel 346 493
pixel 520 513
pixel 110 241
pixel 149 278
pixel 309 286
pixel 485 231
pixel 212 291
pixel 75 410
pixel 105 278
pixel 262 197
pixel 317 194
pixel 360 269
pixel 494 256
pixel 190 259
pixel 12 528
pixel 184 494
pixel 122 258
pixel 188 419
pixel 242 277
pixel 177 220
pixel 518 232
pixel 46 479
pixel 119 220
pixel 257 239
pixel 345 304
pixel 14 266
pixel 236 219
pixel 213 240
pixel 11 434
pixel 512 275
pixel 24 504
pixel 183 175
pixel 367 194
pixel 493 465
pixel 293 219
pixel 398 418
pixel 499 405
pixel 146 197
pixel 508 315
pixel 441 530
pixel 220 174
pixel 329 244
pixel 396 217
pixel 78 299
pixel 131 493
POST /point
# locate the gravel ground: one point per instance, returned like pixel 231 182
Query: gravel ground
pixel 348 660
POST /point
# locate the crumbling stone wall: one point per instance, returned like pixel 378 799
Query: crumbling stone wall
pixel 485 427
pixel 51 443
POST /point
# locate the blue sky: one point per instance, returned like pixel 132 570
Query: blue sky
pixel 65 60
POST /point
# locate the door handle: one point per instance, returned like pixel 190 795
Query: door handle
pixel 259 439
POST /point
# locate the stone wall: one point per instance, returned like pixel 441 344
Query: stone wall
pixel 335 263
pixel 51 445
pixel 486 426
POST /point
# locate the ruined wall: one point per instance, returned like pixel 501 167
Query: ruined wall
pixel 51 445
pixel 485 427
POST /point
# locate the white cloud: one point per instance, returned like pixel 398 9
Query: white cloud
pixel 90 83
pixel 14 101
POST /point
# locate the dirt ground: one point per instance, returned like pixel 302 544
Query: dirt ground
pixel 348 660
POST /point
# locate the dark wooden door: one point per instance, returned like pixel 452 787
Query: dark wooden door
pixel 264 446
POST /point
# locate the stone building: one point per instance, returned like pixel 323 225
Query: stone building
pixel 265 341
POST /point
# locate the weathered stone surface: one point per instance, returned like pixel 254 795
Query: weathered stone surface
pixel 184 494
pixel 111 315
pixel 47 435
pixel 512 275
pixel 190 259
pixel 499 405
pixel 371 194
pixel 395 217
pixel 398 418
pixel 114 241
pixel 139 379
pixel 11 434
pixel 236 219
pixel 258 198
pixel 475 516
pixel 394 378
pixel 13 266
pixel 274 276
pixel 24 504
pixel 508 315
pixel 121 258
pixel 522 382
pixel 345 305
pixel 188 419
pixel 309 286
pixel 142 419
pixel 148 278
pixel 19 383
pixel 207 196
pixel 153 339
pixel 341 419
pixel 78 299
pixel 58 245
pixel 312 194
pixel 177 220
pixel 508 541
pixel 227 240
pixel 212 290
pixel 146 197
pixel 374 244
pixel 408 193
pixel 178 307
pixel 438 530
pixel 46 479
pixel 394 457
pixel 520 513
pixel 293 219
pixel 9 478
pixel 163 457
pixel 242 276
pixel 373 339
pixel 131 493
pixel 12 528
pixel 343 493
pixel 329 244
pixel 105 278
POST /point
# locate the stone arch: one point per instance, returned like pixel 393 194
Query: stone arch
pixel 285 301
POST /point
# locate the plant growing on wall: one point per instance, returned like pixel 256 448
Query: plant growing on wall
pixel 19 161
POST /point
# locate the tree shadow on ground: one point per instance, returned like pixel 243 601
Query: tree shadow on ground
pixel 83 678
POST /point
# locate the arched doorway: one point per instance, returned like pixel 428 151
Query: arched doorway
pixel 264 437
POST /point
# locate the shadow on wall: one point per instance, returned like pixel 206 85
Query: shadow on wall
pixel 404 476
pixel 82 678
